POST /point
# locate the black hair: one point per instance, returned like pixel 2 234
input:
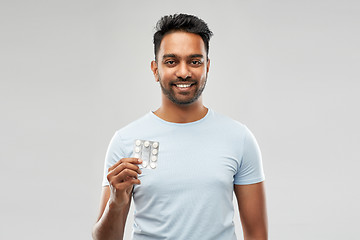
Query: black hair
pixel 181 22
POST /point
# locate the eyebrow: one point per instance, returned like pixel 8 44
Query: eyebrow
pixel 168 55
pixel 196 56
pixel 191 56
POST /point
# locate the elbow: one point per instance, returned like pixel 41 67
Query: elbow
pixel 94 232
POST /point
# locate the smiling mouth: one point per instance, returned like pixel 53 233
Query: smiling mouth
pixel 183 85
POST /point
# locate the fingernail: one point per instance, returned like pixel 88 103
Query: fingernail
pixel 139 160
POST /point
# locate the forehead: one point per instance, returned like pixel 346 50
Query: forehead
pixel 182 44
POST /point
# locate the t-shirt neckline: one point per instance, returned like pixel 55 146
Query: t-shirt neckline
pixel 209 112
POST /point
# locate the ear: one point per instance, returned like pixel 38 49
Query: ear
pixel 154 69
pixel 208 65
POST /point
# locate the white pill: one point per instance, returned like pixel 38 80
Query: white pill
pixel 155 144
pixel 154 151
pixel 146 144
pixel 154 158
pixel 144 164
pixel 153 165
pixel 137 149
pixel 138 142
pixel 136 155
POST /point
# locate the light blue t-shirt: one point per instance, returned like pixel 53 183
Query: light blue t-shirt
pixel 189 195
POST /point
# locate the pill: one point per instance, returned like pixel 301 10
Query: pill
pixel 148 151
pixel 153 165
pixel 137 149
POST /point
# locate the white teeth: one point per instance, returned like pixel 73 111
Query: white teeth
pixel 183 85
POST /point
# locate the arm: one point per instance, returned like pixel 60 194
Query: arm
pixel 116 199
pixel 111 221
pixel 252 209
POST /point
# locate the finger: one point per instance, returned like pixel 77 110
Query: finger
pixel 131 160
pixel 122 167
pixel 124 160
pixel 122 176
pixel 127 173
pixel 127 184
pixel 126 165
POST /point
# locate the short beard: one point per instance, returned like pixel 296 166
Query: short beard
pixel 171 96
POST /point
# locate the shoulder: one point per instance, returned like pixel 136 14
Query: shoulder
pixel 227 129
pixel 227 122
pixel 136 125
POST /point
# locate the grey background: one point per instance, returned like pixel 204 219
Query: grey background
pixel 73 72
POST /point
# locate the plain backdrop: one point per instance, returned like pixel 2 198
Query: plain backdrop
pixel 73 72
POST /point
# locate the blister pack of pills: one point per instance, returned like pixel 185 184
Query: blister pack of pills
pixel 148 152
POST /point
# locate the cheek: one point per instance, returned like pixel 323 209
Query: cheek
pixel 164 75
pixel 202 74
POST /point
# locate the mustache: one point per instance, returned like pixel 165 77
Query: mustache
pixel 182 80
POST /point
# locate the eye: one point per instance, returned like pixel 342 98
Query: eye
pixel 196 62
pixel 170 62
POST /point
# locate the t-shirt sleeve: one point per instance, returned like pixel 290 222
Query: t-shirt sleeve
pixel 250 169
pixel 113 154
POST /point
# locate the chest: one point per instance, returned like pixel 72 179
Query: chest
pixel 190 167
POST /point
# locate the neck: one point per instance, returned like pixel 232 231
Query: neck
pixel 171 112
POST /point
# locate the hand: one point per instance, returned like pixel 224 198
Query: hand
pixel 122 176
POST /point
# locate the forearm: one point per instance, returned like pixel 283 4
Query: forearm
pixel 111 224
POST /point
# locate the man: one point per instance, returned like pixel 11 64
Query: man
pixel 203 157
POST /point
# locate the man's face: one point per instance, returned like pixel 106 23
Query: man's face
pixel 181 67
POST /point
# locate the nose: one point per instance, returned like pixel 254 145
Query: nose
pixel 183 71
